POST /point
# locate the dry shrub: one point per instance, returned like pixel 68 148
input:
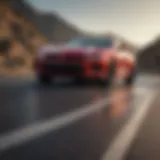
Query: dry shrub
pixel 5 45
pixel 14 62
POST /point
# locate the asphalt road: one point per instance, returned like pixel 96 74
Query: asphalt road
pixel 69 122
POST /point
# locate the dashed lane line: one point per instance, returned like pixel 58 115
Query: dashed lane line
pixel 120 146
pixel 33 131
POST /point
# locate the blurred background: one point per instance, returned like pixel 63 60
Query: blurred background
pixel 72 122
pixel 27 25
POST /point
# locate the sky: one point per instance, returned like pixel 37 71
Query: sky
pixel 136 20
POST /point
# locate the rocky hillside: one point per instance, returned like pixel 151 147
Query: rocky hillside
pixel 23 31
pixel 54 28
pixel 19 40
pixel 149 57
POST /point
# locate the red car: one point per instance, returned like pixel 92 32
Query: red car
pixel 85 58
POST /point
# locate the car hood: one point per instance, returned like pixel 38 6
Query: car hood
pixel 51 50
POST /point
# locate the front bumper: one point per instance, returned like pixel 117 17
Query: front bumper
pixel 63 69
pixel 86 69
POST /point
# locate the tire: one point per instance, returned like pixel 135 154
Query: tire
pixel 104 83
pixel 108 80
pixel 44 80
pixel 130 79
pixel 79 80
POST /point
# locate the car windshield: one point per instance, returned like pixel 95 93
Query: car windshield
pixel 90 42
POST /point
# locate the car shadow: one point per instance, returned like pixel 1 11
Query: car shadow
pixel 70 85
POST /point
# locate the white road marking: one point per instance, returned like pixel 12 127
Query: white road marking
pixel 30 132
pixel 148 78
pixel 120 146
pixel 41 128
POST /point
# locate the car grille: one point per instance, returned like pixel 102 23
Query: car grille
pixel 96 67
pixel 64 68
pixel 73 58
pixel 69 58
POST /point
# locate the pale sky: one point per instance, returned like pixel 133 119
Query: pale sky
pixel 136 20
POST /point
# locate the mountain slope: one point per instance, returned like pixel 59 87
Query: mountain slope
pixel 149 57
pixel 19 40
pixel 50 25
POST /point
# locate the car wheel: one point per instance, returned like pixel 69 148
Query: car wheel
pixel 130 79
pixel 104 82
pixel 79 80
pixel 45 80
pixel 109 78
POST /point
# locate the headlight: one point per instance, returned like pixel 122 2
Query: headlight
pixel 44 51
pixel 41 54
pixel 40 57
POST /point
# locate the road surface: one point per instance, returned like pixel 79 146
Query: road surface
pixel 69 122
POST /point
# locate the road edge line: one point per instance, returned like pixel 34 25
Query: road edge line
pixel 118 149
